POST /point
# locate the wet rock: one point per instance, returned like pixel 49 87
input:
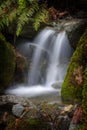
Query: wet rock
pixel 18 106
pixel 57 85
pixel 73 126
pixel 74 29
pixel 64 122
pixel 21 68
pixel 17 110
pixel 15 99
pixel 52 116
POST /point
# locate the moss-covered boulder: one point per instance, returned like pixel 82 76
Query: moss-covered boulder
pixel 75 82
pixel 7 63
pixel 84 93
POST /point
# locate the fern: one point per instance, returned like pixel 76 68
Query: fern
pixel 5 7
pixel 41 16
pixel 11 16
pixel 21 21
pixel 21 5
pixel 26 16
pixel 7 13
pixel 3 22
pixel 21 11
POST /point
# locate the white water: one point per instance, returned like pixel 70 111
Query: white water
pixel 57 45
pixel 59 57
pixel 41 40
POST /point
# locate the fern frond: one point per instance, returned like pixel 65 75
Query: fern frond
pixel 4 7
pixel 7 13
pixel 2 22
pixel 21 5
pixel 41 16
pixel 11 16
pixel 21 21
pixel 21 11
pixel 32 9
pixel 25 17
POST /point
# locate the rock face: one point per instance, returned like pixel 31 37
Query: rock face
pixel 7 63
pixel 74 29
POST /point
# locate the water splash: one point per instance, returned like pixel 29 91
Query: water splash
pixel 31 91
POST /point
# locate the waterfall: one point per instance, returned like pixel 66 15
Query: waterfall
pixel 58 52
pixel 41 40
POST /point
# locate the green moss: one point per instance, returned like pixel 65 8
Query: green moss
pixel 27 124
pixel 71 91
pixel 69 86
pixel 84 93
pixel 7 62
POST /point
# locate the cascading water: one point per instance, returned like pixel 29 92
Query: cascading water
pixel 41 40
pixel 58 54
pixel 58 59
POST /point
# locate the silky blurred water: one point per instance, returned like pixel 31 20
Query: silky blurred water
pixel 56 47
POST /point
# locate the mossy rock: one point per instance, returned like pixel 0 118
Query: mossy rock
pixel 71 90
pixel 84 93
pixel 7 63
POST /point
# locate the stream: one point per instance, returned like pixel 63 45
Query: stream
pixel 40 95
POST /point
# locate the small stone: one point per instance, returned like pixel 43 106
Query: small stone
pixel 17 110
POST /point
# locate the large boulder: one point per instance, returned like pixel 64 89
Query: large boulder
pixel 74 85
pixel 7 63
